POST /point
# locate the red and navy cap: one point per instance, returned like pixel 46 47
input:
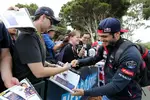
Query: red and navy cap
pixel 110 25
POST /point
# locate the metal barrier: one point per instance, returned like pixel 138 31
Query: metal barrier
pixel 40 88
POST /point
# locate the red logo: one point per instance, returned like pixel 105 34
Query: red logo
pixel 127 72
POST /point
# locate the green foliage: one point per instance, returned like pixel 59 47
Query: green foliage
pixel 85 15
pixel 147 45
pixel 146 7
pixel 146 12
pixel 31 8
pixel 61 29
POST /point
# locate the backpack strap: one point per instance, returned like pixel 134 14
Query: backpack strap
pixel 143 50
pixel 145 54
pixel 123 47
pixel 60 54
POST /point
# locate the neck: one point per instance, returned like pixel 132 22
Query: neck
pixel 118 38
pixel 37 25
pixel 13 37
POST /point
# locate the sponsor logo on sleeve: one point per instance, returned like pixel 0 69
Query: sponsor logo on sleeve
pixel 131 64
pixel 127 72
pixel 125 77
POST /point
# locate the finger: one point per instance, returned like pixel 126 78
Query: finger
pixel 13 8
pixel 15 81
pixel 75 90
pixel 73 94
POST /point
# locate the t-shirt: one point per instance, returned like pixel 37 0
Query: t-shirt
pixel 70 54
pixel 5 42
pixel 28 49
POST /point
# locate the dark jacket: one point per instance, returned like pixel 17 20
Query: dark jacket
pixel 120 83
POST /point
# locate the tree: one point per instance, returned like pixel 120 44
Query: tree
pixel 31 8
pixel 146 7
pixel 84 15
pixel 61 29
pixel 135 18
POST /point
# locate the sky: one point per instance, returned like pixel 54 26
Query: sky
pixel 54 4
pixel 141 33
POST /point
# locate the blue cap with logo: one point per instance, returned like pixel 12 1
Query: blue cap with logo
pixel 110 25
pixel 47 11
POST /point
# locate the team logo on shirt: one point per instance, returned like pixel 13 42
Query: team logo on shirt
pixel 127 72
pixel 131 64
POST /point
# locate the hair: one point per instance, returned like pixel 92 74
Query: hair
pixel 73 33
pixel 60 38
pixel 87 34
pixel 23 83
pixel 37 17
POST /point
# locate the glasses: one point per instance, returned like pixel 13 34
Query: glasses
pixel 51 21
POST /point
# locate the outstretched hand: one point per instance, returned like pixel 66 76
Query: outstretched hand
pixel 78 92
pixel 74 63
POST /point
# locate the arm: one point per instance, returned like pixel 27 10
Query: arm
pixel 123 76
pixel 50 44
pixel 6 59
pixel 58 46
pixel 6 66
pixel 92 60
pixel 39 71
pixel 32 56
pixel 47 64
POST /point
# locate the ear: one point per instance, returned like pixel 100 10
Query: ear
pixel 42 17
pixel 117 35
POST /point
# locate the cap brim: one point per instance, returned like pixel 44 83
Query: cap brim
pixel 123 31
pixel 55 20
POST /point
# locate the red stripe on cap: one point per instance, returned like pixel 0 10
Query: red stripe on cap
pixel 99 31
pixel 122 30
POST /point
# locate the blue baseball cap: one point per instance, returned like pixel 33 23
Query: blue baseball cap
pixel 47 11
pixel 110 25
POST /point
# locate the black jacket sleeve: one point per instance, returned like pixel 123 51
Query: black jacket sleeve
pixel 92 60
pixel 130 62
pixel 5 37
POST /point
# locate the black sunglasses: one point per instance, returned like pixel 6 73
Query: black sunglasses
pixel 51 21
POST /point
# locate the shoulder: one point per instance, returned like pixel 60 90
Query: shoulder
pixel 2 27
pixel 132 53
pixel 67 48
pixel 27 39
pixel 45 36
pixel 1 24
